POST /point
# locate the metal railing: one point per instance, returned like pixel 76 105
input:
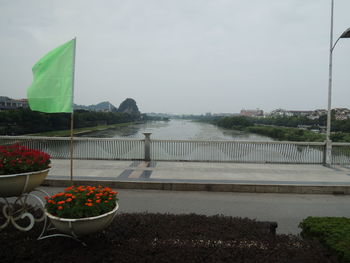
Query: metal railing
pixel 341 153
pixel 238 151
pixel 185 150
pixel 84 148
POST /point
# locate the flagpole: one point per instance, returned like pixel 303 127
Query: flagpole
pixel 72 117
pixel 71 147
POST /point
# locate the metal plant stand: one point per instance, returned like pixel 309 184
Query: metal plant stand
pixel 49 227
pixel 17 210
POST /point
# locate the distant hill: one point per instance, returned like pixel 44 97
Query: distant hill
pixel 102 106
pixel 129 106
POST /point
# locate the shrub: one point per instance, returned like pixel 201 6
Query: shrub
pixel 332 232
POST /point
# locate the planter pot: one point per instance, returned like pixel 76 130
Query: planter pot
pixel 16 184
pixel 83 226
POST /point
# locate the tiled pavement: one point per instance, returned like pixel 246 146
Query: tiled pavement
pixel 244 177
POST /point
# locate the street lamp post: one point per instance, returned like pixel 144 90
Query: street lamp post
pixel 346 34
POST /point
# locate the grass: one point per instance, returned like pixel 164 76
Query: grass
pixel 332 232
pixel 66 133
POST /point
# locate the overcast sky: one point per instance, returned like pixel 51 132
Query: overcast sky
pixel 183 56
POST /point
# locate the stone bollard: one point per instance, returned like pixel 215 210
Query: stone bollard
pixel 147 146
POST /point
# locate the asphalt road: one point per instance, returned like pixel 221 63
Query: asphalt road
pixel 288 210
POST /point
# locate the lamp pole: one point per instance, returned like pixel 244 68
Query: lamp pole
pixel 346 34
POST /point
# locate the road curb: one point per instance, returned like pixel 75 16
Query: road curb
pixel 211 187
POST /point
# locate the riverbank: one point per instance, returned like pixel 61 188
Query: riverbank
pixel 287 134
pixel 296 134
pixel 282 133
pixel 80 131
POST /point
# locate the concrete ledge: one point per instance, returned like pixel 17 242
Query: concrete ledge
pixel 212 187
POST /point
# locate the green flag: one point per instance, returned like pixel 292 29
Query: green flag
pixel 53 80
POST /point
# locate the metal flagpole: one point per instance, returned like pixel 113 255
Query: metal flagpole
pixel 328 140
pixel 72 117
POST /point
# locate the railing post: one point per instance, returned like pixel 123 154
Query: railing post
pixel 328 153
pixel 147 146
pixel 324 154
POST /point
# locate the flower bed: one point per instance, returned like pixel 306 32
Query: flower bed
pixel 21 169
pixel 16 159
pixel 145 237
pixel 82 201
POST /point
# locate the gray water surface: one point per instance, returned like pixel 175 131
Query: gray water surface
pixel 177 130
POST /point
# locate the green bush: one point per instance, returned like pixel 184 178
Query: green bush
pixel 332 232
pixel 286 134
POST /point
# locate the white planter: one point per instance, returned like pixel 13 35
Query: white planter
pixel 77 227
pixel 16 184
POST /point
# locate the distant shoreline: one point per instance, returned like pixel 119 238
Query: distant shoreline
pixel 79 131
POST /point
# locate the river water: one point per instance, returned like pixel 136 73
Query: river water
pixel 177 130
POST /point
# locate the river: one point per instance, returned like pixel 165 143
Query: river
pixel 177 130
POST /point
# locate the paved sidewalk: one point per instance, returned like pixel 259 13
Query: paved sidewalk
pixel 288 210
pixel 229 177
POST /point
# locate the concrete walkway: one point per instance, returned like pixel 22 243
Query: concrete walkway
pixel 288 210
pixel 201 176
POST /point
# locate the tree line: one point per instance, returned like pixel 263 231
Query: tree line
pixel 285 128
pixel 26 121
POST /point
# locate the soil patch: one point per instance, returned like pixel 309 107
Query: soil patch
pixel 145 237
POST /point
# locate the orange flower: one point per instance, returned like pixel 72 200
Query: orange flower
pixel 69 200
pixel 60 207
pixel 60 202
pixel 98 201
pixel 69 188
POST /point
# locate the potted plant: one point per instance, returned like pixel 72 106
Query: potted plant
pixel 21 169
pixel 82 210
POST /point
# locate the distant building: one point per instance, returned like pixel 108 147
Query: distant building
pixel 290 113
pixel 279 113
pixel 316 114
pixel 224 114
pixel 7 103
pixel 252 113
pixel 341 113
pixel 300 113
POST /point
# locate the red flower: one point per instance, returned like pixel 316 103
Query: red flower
pixel 20 159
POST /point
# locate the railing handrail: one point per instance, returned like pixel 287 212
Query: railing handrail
pixel 247 142
pixel 161 140
pixel 66 138
pixel 340 144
